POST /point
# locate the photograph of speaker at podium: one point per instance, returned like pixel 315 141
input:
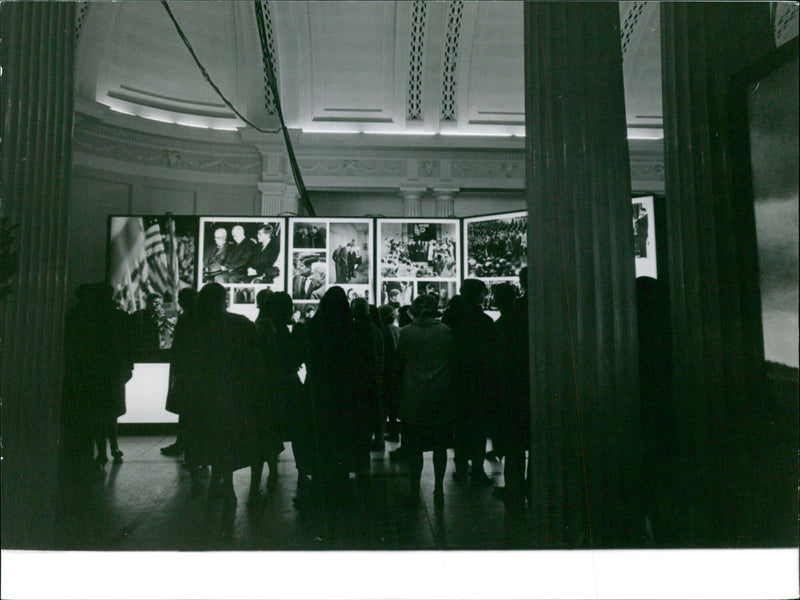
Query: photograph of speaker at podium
pixel 241 250
pixel 416 249
pixel 496 245
pixel 150 259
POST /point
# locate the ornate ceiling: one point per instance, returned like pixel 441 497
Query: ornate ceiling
pixel 449 68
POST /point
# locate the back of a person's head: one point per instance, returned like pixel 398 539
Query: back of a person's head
pixel 84 293
pixel 473 291
pixel 504 296
pixel 386 314
pixel 279 306
pixel 212 300
pixel 359 307
pixel 333 306
pixel 424 306
pixel 262 297
pixel 104 293
pixel 187 299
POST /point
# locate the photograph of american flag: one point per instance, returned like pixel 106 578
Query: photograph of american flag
pixel 151 254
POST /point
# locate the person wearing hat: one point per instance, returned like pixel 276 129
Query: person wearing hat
pixel 424 352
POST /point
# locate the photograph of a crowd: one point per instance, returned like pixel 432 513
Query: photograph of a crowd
pixel 150 259
pixel 496 246
pixel 330 251
pixel 418 250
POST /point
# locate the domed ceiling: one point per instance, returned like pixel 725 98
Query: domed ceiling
pixel 449 68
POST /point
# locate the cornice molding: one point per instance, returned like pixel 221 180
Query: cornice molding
pixel 330 163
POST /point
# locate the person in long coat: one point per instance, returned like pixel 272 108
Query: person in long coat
pixel 331 388
pixel 223 384
pixel 181 343
pixel 368 370
pixel 96 366
pixel 281 387
pixel 475 379
pixel 425 354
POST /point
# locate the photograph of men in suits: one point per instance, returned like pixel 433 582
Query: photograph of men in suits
pixel 311 286
pixel 214 266
pixel 239 255
pixel 262 267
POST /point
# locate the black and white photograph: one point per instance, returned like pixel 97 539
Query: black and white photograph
pixel 644 237
pixel 496 245
pixel 309 234
pixel 309 275
pixel 302 312
pixel 244 295
pixel 244 250
pixel 442 290
pixel 418 249
pixel 350 252
pixel 397 293
pixel 150 259
pixel 262 332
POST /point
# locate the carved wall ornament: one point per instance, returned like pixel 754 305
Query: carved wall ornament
pixel 450 59
pixel 414 98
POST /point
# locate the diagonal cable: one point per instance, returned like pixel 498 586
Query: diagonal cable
pixel 273 84
pixel 208 77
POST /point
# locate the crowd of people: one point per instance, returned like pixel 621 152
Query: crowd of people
pixel 335 386
pixel 243 260
pixel 419 258
pixel 497 248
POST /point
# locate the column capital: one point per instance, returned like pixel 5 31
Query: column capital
pixel 412 200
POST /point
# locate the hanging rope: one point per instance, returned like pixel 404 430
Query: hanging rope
pixel 208 77
pixel 273 85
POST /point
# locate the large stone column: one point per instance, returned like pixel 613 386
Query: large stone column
pixel 712 274
pixel 36 98
pixel 587 462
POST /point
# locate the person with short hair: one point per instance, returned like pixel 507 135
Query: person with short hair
pixel 239 255
pixel 425 355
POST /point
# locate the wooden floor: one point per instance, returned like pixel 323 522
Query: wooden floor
pixel 146 503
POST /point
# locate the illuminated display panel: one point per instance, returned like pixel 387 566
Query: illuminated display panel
pixel 416 256
pixel 324 252
pixel 245 255
pixel 495 250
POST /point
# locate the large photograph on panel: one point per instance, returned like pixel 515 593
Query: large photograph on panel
pixel 150 259
pixel 496 249
pixel 245 255
pixel 416 257
pixel 324 252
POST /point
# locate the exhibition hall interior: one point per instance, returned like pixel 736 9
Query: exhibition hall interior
pixel 639 159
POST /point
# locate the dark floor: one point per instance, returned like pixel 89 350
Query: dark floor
pixel 146 503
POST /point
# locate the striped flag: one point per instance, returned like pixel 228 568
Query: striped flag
pixel 159 280
pixel 130 269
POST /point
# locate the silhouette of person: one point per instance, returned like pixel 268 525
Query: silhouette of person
pixel 425 352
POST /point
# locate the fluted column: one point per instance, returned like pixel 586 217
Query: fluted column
pixel 711 269
pixel 585 408
pixel 445 202
pixel 278 198
pixel 38 58
pixel 412 201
